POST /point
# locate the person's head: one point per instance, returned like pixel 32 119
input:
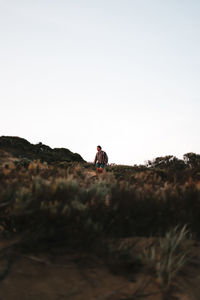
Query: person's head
pixel 98 148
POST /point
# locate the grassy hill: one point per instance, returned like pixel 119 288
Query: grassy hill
pixel 23 150
pixel 141 222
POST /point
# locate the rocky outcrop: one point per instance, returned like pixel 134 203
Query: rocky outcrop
pixel 21 148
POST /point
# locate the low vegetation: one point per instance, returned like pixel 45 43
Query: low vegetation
pixel 67 199
pixel 168 256
pixel 68 203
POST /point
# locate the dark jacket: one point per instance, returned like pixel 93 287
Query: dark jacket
pixel 101 157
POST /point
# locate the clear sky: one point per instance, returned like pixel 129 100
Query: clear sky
pixel 124 74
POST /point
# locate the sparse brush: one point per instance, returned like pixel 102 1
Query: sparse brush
pixel 124 201
pixel 167 257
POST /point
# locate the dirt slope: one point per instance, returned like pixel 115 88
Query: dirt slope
pixel 65 274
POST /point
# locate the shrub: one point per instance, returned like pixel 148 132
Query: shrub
pixel 168 257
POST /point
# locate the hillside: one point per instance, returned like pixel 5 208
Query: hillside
pixel 16 148
pixel 131 232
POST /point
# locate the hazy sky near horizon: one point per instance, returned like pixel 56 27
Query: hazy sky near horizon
pixel 124 74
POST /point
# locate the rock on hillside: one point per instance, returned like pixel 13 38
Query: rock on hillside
pixel 20 148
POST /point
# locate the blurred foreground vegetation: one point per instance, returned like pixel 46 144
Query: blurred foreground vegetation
pixel 67 201
pixel 131 216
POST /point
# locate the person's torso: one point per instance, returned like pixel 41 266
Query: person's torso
pixel 100 157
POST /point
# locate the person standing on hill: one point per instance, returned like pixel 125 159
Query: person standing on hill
pixel 101 159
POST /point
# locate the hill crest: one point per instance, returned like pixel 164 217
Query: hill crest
pixel 21 148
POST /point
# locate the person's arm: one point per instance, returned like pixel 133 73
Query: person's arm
pixel 106 157
pixel 95 159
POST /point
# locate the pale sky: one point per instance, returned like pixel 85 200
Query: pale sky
pixel 123 74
